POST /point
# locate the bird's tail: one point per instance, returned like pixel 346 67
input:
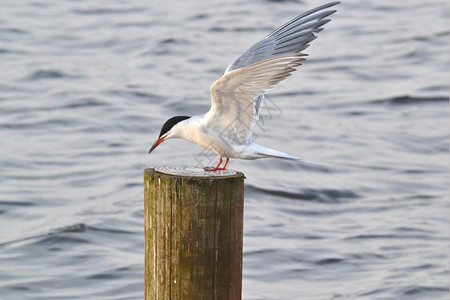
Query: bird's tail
pixel 267 152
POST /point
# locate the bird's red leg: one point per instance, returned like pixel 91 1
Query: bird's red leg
pixel 217 167
pixel 225 165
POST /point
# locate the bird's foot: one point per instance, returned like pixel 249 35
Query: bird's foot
pixel 216 168
pixel 213 169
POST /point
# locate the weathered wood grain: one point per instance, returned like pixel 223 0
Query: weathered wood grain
pixel 193 234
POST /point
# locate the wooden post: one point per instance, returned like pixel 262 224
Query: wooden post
pixel 193 234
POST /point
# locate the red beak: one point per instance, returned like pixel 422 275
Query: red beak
pixel 156 144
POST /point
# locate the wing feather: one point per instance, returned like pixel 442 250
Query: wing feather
pixel 238 95
pixel 232 113
pixel 292 37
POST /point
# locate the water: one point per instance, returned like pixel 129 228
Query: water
pixel 85 87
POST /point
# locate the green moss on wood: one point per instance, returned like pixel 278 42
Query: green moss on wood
pixel 193 228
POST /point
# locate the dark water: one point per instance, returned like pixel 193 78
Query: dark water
pixel 86 85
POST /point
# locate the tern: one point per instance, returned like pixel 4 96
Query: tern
pixel 237 96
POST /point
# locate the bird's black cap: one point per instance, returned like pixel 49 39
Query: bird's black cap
pixel 170 123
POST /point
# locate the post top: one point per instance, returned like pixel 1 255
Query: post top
pixel 192 171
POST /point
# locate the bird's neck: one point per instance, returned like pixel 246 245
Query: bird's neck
pixel 192 128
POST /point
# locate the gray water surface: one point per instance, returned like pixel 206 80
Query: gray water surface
pixel 86 85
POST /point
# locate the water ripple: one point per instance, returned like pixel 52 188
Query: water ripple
pixel 324 195
pixel 85 86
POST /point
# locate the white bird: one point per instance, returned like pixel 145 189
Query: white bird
pixel 237 96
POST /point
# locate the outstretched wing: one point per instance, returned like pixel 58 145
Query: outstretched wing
pixel 292 37
pixel 232 112
pixel 238 95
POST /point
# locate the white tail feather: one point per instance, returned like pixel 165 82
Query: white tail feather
pixel 281 155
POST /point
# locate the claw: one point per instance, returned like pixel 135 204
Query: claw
pixel 216 168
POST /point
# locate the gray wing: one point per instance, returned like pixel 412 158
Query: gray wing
pixel 232 112
pixel 292 37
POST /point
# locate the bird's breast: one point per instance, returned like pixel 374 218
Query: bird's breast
pixel 209 137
